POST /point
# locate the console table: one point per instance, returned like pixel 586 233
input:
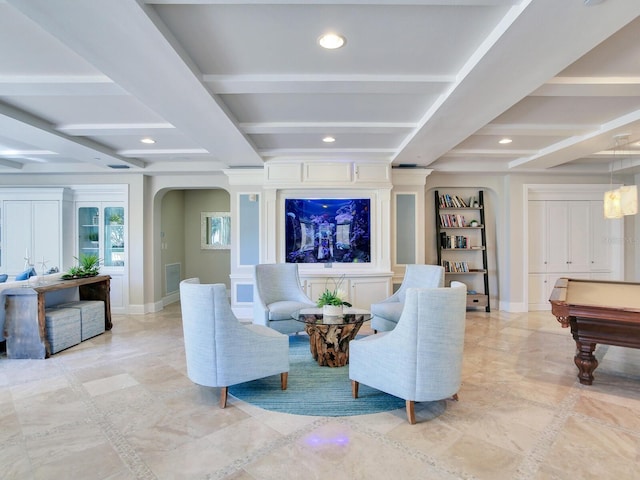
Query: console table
pixel 25 311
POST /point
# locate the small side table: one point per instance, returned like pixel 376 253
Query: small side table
pixel 329 336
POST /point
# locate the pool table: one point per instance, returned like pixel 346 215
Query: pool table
pixel 597 312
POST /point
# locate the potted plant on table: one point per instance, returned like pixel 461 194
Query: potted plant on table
pixel 88 266
pixel 332 301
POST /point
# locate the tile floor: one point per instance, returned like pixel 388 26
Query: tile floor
pixel 121 407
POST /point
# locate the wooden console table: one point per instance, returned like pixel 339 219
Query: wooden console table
pixel 25 311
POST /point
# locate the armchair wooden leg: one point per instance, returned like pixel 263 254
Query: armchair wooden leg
pixel 223 396
pixel 455 397
pixel 284 376
pixel 354 388
pixel 411 411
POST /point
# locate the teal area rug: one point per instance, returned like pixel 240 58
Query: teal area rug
pixel 313 390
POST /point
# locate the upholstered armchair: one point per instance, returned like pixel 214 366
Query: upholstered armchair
pixel 220 350
pixel 385 315
pixel 421 359
pixel 277 296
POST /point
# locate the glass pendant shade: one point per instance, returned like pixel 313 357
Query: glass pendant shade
pixel 612 206
pixel 629 200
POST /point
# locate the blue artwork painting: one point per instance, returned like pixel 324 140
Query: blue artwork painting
pixel 327 230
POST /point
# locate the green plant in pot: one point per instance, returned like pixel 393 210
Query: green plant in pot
pixel 116 219
pixel 88 266
pixel 332 298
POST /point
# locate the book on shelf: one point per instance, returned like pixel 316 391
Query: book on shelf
pixel 452 201
pixel 451 220
pixel 453 241
pixel 455 267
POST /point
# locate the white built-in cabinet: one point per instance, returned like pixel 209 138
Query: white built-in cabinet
pixel 35 229
pixel 567 238
pixel 101 220
pixel 359 290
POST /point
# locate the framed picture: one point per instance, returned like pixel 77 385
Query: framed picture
pixel 215 228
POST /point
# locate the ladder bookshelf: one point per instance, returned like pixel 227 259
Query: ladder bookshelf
pixel 461 242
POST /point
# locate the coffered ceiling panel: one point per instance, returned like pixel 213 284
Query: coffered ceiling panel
pixel 222 84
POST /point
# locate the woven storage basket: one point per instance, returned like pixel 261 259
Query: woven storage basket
pixel 62 327
pixel 91 316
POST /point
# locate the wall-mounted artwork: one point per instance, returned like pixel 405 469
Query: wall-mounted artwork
pixel 215 228
pixel 327 230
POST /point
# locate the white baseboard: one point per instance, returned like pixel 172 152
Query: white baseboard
pixel 515 307
pixel 171 298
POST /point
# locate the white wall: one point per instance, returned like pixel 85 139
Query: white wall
pixel 146 193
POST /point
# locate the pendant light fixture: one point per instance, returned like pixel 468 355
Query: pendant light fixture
pixel 612 208
pixel 629 199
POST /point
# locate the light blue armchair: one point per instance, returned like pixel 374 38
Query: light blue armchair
pixel 220 350
pixel 421 359
pixel 385 315
pixel 277 296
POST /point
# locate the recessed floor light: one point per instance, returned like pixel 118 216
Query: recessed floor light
pixel 504 141
pixel 148 140
pixel 331 41
pixel 328 139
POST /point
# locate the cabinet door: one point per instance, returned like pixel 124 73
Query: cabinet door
pixel 558 237
pixel 315 286
pixel 537 291
pixel 88 231
pixel 17 236
pixel 537 236
pixel 579 236
pixel 365 291
pixel 47 235
pixel 114 236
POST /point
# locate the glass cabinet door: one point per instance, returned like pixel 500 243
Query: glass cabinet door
pixel 88 231
pixel 113 237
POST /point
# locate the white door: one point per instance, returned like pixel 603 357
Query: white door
pixel 17 236
pixel 580 236
pixel 558 237
pixel 47 235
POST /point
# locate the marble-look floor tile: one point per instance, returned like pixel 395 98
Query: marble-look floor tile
pixel 121 407
pixel 109 384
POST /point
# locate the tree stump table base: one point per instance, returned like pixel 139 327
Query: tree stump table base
pixel 329 344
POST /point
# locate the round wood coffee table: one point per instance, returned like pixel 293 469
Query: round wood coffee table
pixel 329 336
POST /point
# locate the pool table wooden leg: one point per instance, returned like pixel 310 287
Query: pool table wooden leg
pixel 585 361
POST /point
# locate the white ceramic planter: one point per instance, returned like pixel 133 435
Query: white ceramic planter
pixel 332 310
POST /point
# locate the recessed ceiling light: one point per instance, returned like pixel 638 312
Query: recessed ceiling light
pixel 331 41
pixel 328 139
pixel 148 140
pixel 504 141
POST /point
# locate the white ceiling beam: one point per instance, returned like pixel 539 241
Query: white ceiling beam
pixel 496 153
pixel 30 130
pixel 386 84
pixel 324 127
pixel 106 129
pixel 56 85
pixel 11 164
pixel 582 145
pixel 590 87
pixel 535 130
